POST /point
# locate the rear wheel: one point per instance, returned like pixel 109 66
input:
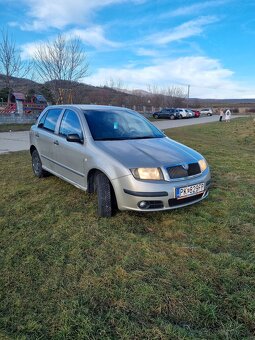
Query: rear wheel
pixel 104 195
pixel 180 116
pixel 37 165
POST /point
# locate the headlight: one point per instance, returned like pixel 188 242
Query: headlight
pixel 203 164
pixel 148 173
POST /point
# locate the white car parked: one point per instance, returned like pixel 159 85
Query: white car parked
pixel 183 113
pixel 190 113
pixel 207 112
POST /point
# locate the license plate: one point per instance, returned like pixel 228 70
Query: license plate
pixel 190 190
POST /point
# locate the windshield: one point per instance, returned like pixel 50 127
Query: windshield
pixel 117 124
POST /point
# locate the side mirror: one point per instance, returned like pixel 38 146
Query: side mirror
pixel 74 138
pixel 40 125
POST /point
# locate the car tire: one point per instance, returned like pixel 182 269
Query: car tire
pixel 37 165
pixel 180 116
pixel 172 117
pixel 104 196
pixel 155 116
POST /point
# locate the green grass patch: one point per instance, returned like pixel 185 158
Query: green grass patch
pixel 14 127
pixel 183 274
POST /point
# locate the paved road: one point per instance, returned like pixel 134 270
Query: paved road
pixel 14 141
pixel 18 141
pixel 168 124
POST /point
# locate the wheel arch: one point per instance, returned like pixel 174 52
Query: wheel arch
pixel 91 176
pixel 32 148
pixel 91 185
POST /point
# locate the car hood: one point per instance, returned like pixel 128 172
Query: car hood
pixel 156 152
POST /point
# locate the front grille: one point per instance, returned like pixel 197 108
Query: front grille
pixel 173 202
pixel 179 171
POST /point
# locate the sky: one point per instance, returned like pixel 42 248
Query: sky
pixel 144 44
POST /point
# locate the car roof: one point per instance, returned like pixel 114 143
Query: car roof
pixel 88 107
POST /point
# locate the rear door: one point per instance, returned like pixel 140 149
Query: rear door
pixel 70 156
pixel 45 137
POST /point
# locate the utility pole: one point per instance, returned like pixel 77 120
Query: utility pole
pixel 188 96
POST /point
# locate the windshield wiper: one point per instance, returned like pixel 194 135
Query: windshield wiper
pixel 126 138
pixel 145 137
pixel 110 138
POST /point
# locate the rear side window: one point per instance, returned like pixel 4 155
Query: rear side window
pixel 49 120
pixel 70 124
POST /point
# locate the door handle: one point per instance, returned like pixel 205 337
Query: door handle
pixel 56 142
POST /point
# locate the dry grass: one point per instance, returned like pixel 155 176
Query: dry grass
pixel 182 274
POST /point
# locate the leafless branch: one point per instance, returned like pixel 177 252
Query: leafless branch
pixel 61 60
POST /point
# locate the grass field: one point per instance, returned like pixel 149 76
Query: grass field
pixel 14 127
pixel 181 274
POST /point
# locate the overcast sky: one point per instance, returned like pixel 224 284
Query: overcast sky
pixel 208 45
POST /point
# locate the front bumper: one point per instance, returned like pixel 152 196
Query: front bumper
pixel 158 195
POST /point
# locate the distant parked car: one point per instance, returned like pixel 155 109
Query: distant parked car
pixel 207 112
pixel 196 113
pixel 183 113
pixel 190 113
pixel 166 113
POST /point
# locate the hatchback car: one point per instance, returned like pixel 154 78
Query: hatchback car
pixel 183 113
pixel 166 113
pixel 118 154
pixel 206 112
pixel 190 113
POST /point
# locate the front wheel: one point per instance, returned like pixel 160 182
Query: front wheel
pixel 37 165
pixel 104 196
pixel 155 116
pixel 180 116
pixel 172 117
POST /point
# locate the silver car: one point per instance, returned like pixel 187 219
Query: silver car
pixel 207 112
pixel 118 154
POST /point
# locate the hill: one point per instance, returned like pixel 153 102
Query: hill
pixel 84 93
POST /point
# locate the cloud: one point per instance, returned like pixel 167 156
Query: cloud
pixel 144 52
pixel 60 13
pixel 208 79
pixel 194 9
pixel 185 30
pixel 28 50
pixel 94 36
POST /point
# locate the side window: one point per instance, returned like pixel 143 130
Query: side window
pixel 50 119
pixel 42 120
pixel 70 124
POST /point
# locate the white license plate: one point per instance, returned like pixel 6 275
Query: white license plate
pixel 190 190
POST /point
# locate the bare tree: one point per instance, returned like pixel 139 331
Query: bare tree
pixel 115 84
pixel 175 96
pixel 61 63
pixel 11 64
pixel 171 96
pixel 157 98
